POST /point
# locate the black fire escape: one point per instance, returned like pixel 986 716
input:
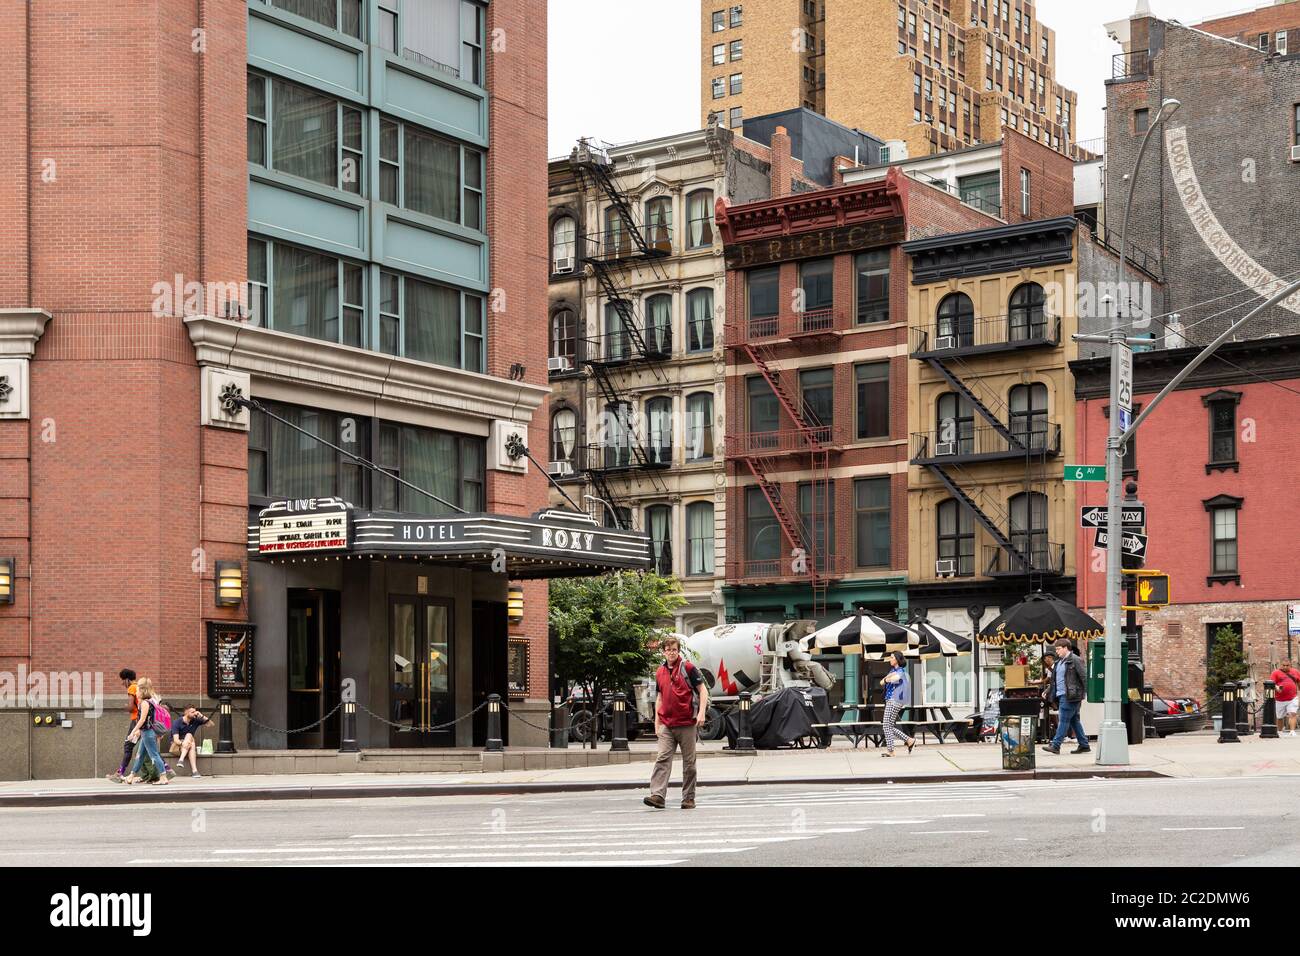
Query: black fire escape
pixel 986 430
pixel 627 346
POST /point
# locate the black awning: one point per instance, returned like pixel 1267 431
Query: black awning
pixel 551 543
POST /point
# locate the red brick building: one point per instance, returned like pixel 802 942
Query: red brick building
pixel 160 154
pixel 1214 465
pixel 816 332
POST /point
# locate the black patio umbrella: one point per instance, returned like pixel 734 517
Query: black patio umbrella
pixel 1040 618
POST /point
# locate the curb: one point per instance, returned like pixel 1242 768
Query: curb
pixel 121 796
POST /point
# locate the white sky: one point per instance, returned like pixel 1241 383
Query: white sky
pixel 623 70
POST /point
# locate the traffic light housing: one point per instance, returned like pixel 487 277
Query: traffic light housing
pixel 1152 591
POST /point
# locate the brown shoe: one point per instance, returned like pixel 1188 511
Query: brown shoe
pixel 688 804
pixel 654 801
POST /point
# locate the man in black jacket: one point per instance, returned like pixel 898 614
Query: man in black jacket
pixel 1067 690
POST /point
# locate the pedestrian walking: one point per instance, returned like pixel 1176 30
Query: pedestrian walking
pixel 1287 681
pixel 146 732
pixel 127 677
pixel 678 718
pixel 183 736
pixel 898 694
pixel 1067 692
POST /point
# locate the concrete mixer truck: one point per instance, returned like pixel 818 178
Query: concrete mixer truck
pixel 759 658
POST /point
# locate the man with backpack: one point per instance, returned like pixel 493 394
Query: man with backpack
pixel 1287 681
pixel 680 711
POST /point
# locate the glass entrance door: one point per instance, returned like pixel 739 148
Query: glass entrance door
pixel 422 687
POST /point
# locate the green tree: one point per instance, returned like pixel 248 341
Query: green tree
pixel 605 628
pixel 1226 664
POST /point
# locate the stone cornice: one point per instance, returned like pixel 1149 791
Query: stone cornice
pixel 19 330
pixel 314 365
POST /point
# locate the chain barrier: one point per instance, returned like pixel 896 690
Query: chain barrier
pixel 566 728
pixel 408 727
pixel 276 730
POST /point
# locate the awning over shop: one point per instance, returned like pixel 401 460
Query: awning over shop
pixel 551 543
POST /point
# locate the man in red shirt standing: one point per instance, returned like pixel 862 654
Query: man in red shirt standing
pixel 1287 681
pixel 677 722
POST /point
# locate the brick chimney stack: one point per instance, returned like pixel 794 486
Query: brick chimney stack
pixel 782 163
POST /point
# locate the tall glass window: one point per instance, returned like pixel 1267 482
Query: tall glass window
pixel 872 385
pixel 699 213
pixel 763 407
pixel 659 324
pixel 699 320
pixel 817 280
pixel 304 133
pixel 618 342
pixel 1025 318
pixel 699 532
pixel 762 533
pixel 658 522
pixel 872 520
pixel 564 336
pixel 564 434
pixel 699 426
pixel 1028 406
pixel 817 388
pixel 763 287
pixel 564 244
pixel 956 536
pixel 1028 529
pixel 873 287
pixel 659 223
pixel 817 517
pixel 659 441
pixel 956 321
pixel 956 423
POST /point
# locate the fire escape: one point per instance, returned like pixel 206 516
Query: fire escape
pixel 630 346
pixel 807 442
pixel 956 449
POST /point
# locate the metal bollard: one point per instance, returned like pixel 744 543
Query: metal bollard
pixel 559 724
pixel 745 740
pixel 619 741
pixel 494 744
pixel 225 727
pixel 348 744
pixel 1149 711
pixel 1228 728
pixel 1268 731
pixel 1244 726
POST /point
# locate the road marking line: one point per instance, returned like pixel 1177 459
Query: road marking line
pixel 541 854
pixel 1181 829
pixel 564 844
pixel 942 832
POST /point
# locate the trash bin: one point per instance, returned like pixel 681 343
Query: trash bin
pixel 1017 735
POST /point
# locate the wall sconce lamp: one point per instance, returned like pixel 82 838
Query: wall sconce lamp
pixel 515 605
pixel 6 580
pixel 230 584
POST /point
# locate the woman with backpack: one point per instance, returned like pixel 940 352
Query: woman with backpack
pixel 152 722
pixel 898 692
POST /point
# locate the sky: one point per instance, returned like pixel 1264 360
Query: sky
pixel 625 70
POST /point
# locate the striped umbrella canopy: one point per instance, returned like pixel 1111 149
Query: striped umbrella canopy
pixel 863 633
pixel 938 642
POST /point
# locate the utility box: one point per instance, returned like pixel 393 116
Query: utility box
pixel 1097 671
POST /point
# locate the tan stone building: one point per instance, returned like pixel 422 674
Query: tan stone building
pixel 927 76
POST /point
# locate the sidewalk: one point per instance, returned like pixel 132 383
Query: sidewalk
pixel 1179 756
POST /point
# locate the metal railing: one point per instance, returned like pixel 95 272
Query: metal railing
pixel 783 442
pixel 759 570
pixel 614 348
pixel 1021 329
pixel 430 62
pixel 1043 557
pixel 623 456
pixel 955 444
pixel 1130 66
pixel 756 328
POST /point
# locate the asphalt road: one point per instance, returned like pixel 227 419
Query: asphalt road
pixel 1176 823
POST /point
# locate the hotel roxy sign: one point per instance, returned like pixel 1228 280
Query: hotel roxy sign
pixel 304 525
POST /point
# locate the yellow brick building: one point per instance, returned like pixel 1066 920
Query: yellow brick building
pixel 935 75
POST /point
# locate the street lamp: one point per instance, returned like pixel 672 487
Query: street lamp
pixel 612 513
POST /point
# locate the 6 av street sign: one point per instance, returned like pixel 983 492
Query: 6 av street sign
pixel 1085 472
pixel 1131 543
pixel 1131 516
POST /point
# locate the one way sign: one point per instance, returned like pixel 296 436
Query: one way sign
pixel 1131 543
pixel 1131 516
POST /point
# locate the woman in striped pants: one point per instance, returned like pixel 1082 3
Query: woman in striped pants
pixel 898 692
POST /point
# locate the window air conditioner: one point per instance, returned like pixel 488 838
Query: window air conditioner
pixel 563 265
pixel 559 363
pixel 943 448
pixel 945 568
pixel 560 469
pixel 945 342
pixel 1295 154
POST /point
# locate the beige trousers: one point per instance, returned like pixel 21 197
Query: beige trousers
pixel 670 738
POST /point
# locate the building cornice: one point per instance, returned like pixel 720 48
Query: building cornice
pixel 873 201
pixel 1272 359
pixel 19 331
pixel 314 365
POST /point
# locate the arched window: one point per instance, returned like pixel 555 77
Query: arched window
pixel 564 435
pixel 1029 415
pixel 564 338
pixel 659 440
pixel 699 426
pixel 955 321
pixel 564 244
pixel 659 223
pixel 618 241
pixel 955 420
pixel 659 325
pixel 956 536
pixel 699 320
pixel 618 345
pixel 658 522
pixel 1025 317
pixel 699 213
pixel 699 534
pixel 1028 529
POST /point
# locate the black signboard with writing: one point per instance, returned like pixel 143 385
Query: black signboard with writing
pixel 230 659
pixel 808 245
pixel 517 668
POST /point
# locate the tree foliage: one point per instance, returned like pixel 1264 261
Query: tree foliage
pixel 604 627
pixel 1226 664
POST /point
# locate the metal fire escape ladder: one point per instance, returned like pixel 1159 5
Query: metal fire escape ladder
pixel 988 523
pixel 985 412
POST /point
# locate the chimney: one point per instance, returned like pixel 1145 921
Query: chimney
pixel 782 163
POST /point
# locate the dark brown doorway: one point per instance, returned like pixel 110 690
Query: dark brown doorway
pixel 312 651
pixel 490 669
pixel 421 665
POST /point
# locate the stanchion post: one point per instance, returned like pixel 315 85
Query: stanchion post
pixel 348 744
pixel 225 727
pixel 745 741
pixel 1228 726
pixel 1149 711
pixel 1268 730
pixel 494 743
pixel 559 724
pixel 619 741
pixel 1244 728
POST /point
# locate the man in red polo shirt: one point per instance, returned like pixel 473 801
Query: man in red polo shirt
pixel 677 722
pixel 1287 682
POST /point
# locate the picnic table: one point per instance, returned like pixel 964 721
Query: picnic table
pixel 919 720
